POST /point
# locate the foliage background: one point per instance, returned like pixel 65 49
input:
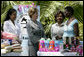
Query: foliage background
pixel 47 11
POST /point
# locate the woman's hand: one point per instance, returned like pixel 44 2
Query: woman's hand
pixel 76 29
pixel 17 39
pixel 77 39
pixel 58 37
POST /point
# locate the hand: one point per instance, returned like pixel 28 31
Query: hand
pixel 19 41
pixel 77 39
pixel 60 37
pixel 16 38
pixel 56 37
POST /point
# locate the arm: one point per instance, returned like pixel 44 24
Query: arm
pixel 19 30
pixel 52 34
pixel 5 27
pixel 42 30
pixel 29 29
pixel 76 29
pixel 19 33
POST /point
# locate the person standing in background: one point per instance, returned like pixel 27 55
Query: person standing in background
pixel 71 29
pixel 57 29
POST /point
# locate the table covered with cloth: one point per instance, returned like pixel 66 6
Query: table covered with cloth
pixel 57 53
pixel 11 54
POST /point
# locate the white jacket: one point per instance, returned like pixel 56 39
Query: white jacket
pixel 11 28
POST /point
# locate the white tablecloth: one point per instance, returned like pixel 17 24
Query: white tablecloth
pixel 43 54
pixel 56 53
pixel 12 54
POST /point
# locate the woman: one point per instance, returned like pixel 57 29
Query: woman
pixel 57 28
pixel 35 31
pixel 71 29
pixel 10 25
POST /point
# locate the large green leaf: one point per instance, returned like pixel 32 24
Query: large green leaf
pixel 3 16
pixel 47 11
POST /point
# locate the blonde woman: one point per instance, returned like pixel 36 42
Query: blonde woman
pixel 35 31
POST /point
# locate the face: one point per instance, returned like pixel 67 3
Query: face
pixel 13 16
pixel 35 16
pixel 66 13
pixel 59 18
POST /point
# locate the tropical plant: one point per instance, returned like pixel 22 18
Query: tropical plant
pixel 47 11
pixel 49 8
pixel 6 5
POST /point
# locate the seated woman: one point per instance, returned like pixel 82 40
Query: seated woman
pixel 57 28
pixel 10 25
pixel 71 29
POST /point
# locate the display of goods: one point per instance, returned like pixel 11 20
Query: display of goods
pixel 15 42
pixel 66 47
pixel 79 49
pixel 5 43
pixel 41 45
pixel 51 46
pixel 56 45
pixel 46 44
pixel 6 35
pixel 73 49
pixel 75 41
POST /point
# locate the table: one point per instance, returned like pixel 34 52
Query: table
pixel 56 53
pixel 43 54
pixel 12 54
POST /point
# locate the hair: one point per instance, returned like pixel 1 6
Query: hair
pixel 32 11
pixel 58 14
pixel 70 9
pixel 10 11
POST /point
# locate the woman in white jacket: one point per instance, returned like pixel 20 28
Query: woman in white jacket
pixel 9 23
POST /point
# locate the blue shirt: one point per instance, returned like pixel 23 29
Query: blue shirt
pixel 69 30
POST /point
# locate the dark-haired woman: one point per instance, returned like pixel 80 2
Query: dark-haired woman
pixel 71 29
pixel 9 23
pixel 57 28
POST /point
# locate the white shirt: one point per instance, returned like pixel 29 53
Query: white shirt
pixel 11 28
pixel 57 30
